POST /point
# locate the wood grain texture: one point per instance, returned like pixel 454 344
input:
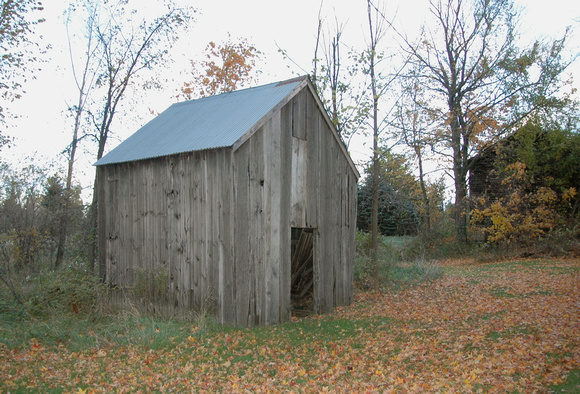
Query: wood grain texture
pixel 214 227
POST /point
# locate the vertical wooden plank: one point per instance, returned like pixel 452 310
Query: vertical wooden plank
pixel 298 182
pixel 159 205
pixel 241 220
pixel 201 228
pixel 352 240
pixel 210 215
pixel 297 121
pixel 185 272
pixel 112 236
pixel 316 271
pixel 108 226
pixel 104 216
pixel 204 234
pixel 167 264
pixel 227 239
pixel 217 234
pixel 343 233
pixel 256 229
pixel 130 229
pixel 139 201
pixel 124 225
pixel 213 261
pixel 193 231
pixel 260 229
pixel 167 207
pixel 174 264
pixel 164 237
pixel 265 299
pixel 330 214
pixel 328 232
pixel 143 196
pixel 182 271
pixel 197 232
pixel 336 225
pixel 284 279
pixel 341 201
pixel 313 172
pixel 193 226
pixel 218 228
pixel 171 202
pixel 136 206
pixel 168 229
pixel 319 266
pixel 344 227
pixel 119 273
pixel 273 198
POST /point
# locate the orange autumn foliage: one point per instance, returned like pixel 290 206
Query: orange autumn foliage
pixel 225 68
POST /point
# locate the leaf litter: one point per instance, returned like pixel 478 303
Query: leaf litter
pixel 494 327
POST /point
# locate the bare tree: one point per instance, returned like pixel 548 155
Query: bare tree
pixel 376 32
pixel 332 78
pixel 380 80
pixel 126 48
pixel 85 82
pixel 481 83
pixel 315 59
pixel 326 73
pixel 416 124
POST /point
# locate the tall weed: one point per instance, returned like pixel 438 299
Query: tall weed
pixel 400 261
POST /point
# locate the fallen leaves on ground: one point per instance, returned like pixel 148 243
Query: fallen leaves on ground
pixel 499 327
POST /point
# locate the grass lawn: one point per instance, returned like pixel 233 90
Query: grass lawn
pixel 494 327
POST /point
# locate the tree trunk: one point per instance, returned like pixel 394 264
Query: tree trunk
pixel 62 233
pixel 93 214
pixel 423 189
pixel 63 230
pixel 460 203
pixel 375 164
pixel 93 222
pixel 460 146
pixel 375 205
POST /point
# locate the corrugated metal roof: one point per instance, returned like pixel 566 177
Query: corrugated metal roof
pixel 212 122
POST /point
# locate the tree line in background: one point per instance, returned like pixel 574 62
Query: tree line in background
pixel 461 90
pixel 463 86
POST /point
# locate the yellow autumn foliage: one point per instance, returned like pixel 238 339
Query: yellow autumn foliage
pixel 520 216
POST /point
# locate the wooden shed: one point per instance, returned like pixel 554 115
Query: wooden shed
pixel 242 205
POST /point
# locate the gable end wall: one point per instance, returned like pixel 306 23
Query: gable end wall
pixel 214 227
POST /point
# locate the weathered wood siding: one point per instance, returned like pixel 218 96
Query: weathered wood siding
pixel 292 173
pixel 214 227
pixel 168 221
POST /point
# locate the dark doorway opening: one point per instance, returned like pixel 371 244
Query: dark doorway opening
pixel 302 273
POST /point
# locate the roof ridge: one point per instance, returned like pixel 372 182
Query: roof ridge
pixel 293 80
pixel 220 95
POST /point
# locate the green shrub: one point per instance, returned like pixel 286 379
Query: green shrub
pixel 70 289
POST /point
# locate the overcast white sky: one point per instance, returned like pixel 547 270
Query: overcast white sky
pixel 42 131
